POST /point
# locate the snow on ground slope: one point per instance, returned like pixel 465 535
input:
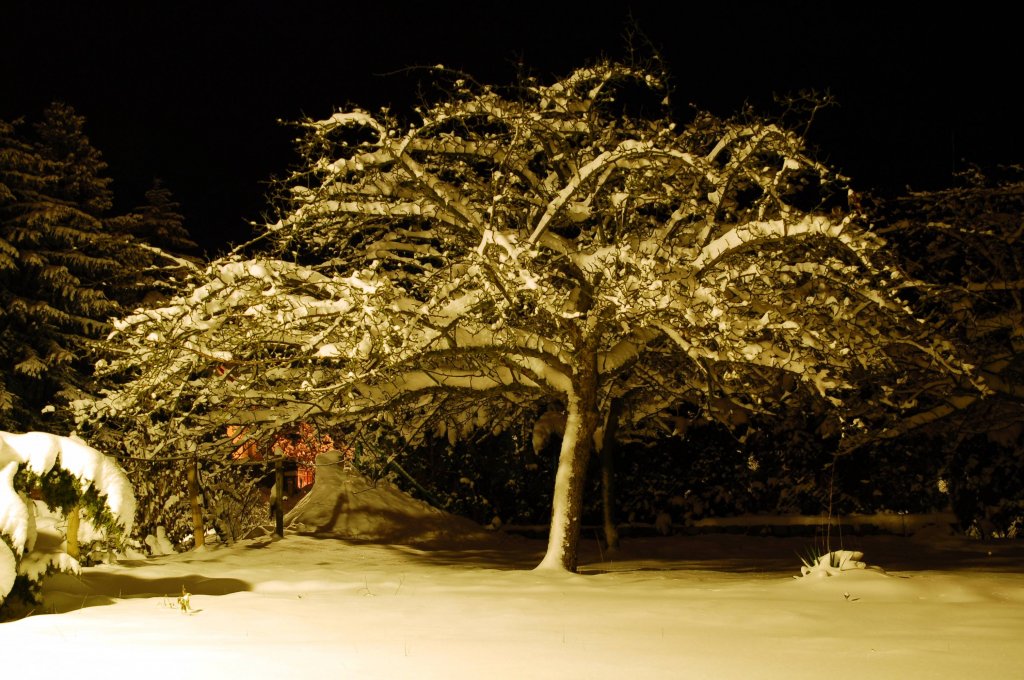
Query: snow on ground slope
pixel 347 504
pixel 714 606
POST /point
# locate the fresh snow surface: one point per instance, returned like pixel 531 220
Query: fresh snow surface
pixel 712 606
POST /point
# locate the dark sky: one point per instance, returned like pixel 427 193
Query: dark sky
pixel 191 92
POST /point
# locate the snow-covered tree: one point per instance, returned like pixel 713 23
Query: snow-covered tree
pixel 77 167
pixel 66 264
pixel 562 247
pixel 51 293
pixel 20 172
pixel 966 246
pixel 68 476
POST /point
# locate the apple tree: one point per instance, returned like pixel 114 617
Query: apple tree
pixel 562 246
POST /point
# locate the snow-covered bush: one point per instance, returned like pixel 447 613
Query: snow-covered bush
pixel 66 475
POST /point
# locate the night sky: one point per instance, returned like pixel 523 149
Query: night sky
pixel 191 92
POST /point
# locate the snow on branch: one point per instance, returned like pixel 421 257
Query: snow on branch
pixel 755 233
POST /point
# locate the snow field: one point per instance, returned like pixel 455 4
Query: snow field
pixel 680 607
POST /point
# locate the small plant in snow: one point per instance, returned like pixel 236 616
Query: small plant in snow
pixel 185 601
pixel 810 556
pixel 830 563
pixel 182 602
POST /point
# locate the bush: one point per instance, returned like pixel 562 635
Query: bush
pixel 69 477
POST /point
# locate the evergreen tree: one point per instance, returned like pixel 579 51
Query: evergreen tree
pixel 79 169
pixel 161 224
pixel 156 250
pixel 20 176
pixel 56 257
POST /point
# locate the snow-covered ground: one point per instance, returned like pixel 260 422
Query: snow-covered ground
pixel 713 606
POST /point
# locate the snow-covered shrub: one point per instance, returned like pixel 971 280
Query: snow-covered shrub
pixel 68 476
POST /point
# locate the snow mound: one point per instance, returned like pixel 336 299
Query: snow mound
pixel 346 504
pixel 159 544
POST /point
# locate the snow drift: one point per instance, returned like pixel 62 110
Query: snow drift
pixel 346 504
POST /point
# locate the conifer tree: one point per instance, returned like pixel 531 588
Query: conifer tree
pixel 20 178
pixel 78 167
pixel 161 223
pixel 57 257
pixel 155 249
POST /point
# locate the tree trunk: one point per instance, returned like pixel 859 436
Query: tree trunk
pixel 611 532
pixel 72 533
pixel 577 444
pixel 198 530
pixel 279 498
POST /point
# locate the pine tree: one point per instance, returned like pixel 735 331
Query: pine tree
pixel 156 250
pixel 20 176
pixel 160 222
pixel 79 168
pixel 57 257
